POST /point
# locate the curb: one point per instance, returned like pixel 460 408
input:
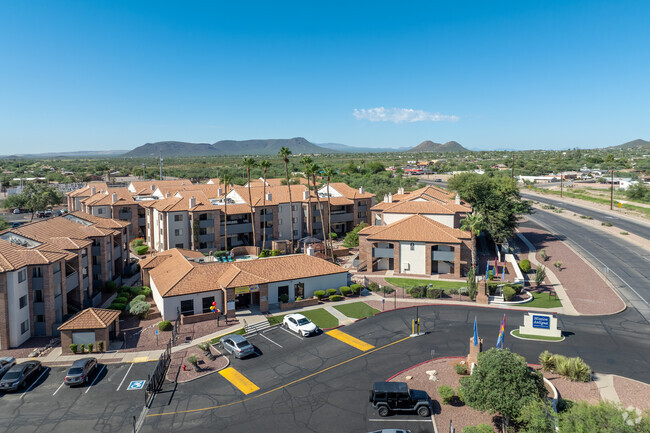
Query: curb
pixel 536 339
pixel 206 374
pixel 421 363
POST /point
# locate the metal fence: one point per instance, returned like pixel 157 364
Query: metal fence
pixel 157 377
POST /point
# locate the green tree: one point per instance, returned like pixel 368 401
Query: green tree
pixel 352 238
pixel 265 164
pixel 225 180
pixel 602 418
pixel 475 224
pixel 314 168
pixel 34 197
pixel 540 274
pixel 502 382
pixel 329 172
pixel 4 224
pixel 638 192
pixel 250 163
pixel 307 161
pixel 284 154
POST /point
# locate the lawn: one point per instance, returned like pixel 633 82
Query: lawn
pixel 357 310
pixel 407 283
pixel 542 300
pixel 319 316
pixel 536 337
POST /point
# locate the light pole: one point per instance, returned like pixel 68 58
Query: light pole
pixel 611 196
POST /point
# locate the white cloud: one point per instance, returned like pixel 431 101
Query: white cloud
pixel 400 115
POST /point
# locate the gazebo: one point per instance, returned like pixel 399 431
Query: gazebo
pixel 310 241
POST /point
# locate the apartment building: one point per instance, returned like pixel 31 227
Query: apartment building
pixel 54 268
pixel 417 233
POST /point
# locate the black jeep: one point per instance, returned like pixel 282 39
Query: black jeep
pixel 389 397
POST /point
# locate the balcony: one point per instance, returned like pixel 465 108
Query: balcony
pixel 117 251
pixel 71 281
pixel 385 253
pixel 342 217
pixel 37 283
pixel 443 256
pixel 237 228
pixel 96 250
pixel 204 224
pixel 142 221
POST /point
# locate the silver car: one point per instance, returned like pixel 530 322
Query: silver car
pixel 237 345
pixel 80 371
pixel 6 363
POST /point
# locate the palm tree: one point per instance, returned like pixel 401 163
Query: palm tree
pixel 307 170
pixel 329 172
pixel 475 224
pixel 225 180
pixel 265 164
pixel 284 154
pixel 250 163
pixel 314 168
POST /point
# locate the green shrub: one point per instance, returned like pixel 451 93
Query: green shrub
pixel 110 287
pixel 461 394
pixel 345 290
pixel 373 287
pixel 298 298
pixel 320 294
pixel 624 233
pixel 264 253
pixel 335 298
pixel 433 293
pixel 275 253
pixel 356 289
pixel 447 393
pixel 135 291
pixel 283 297
pixel 116 306
pixel 518 288
pixel 508 293
pixel 547 361
pixel 492 288
pixel 146 291
pixel 481 428
pixel 100 346
pixel 90 347
pixel 139 298
pixel 561 365
pixel 333 236
pixel 540 275
pixel 331 292
pixel 460 367
pixel 82 348
pixel 140 250
pixel 165 325
pixel 558 265
pixel 137 242
pixel 417 292
pixel 73 348
pixel 525 266
pixel 578 370
pixel 124 294
pixel 387 290
pixel 192 359
pixel 564 404
pixel 606 224
pixel 121 300
pixel 140 309
pixel 543 254
pixel 453 291
pixel 220 253
pixel 204 346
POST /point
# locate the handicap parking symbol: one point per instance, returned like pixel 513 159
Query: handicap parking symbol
pixel 136 384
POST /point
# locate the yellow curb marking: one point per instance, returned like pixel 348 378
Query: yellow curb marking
pixel 239 380
pixel 348 339
pixel 140 359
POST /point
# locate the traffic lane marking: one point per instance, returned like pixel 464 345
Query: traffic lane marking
pixel 238 380
pixel 348 339
pixel 309 376
pixel 126 374
pixel 264 336
pixel 96 377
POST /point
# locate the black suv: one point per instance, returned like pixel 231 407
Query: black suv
pixel 389 397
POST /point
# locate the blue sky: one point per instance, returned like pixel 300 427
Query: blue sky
pixel 113 74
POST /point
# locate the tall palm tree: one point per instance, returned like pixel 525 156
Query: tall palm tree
pixel 265 164
pixel 225 180
pixel 314 168
pixel 307 171
pixel 475 224
pixel 329 172
pixel 250 163
pixel 284 154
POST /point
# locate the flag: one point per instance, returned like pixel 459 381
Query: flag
pixel 502 333
pixel 487 272
pixel 496 268
pixel 503 273
pixel 475 333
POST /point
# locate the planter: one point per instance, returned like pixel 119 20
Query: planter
pixel 298 304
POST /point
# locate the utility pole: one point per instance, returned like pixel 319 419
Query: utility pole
pixel 513 165
pixel 561 184
pixel 144 175
pixel 161 160
pixel 611 196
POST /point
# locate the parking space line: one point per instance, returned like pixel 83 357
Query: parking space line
pixel 262 335
pixel 95 379
pixel 291 333
pixel 57 390
pixel 239 380
pixel 348 339
pixel 127 373
pixel 35 382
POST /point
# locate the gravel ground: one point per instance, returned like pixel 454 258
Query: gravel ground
pixel 632 393
pixel 576 391
pixel 587 290
pixel 175 372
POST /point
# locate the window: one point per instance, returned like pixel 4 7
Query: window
pixel 294 219
pixel 178 218
pixel 38 296
pixel 40 318
pixel 187 307
pixel 24 327
pixel 207 303
pixel 299 290
pixel 57 267
pixel 22 275
pixel 84 253
pixel 95 261
pixel 280 221
pixel 22 302
pixel 293 208
pixel 283 290
pixel 178 232
pixel 100 211
pixel 412 246
pixel 36 272
pixel 161 217
pixel 181 245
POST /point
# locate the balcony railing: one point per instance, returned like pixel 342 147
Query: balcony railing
pixel 444 256
pixel 71 281
pixel 387 253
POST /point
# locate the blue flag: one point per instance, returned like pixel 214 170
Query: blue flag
pixel 487 272
pixel 475 333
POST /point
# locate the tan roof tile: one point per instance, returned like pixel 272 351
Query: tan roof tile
pixel 90 318
pixel 416 228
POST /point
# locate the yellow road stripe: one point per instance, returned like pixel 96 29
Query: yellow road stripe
pixel 203 409
pixel 239 380
pixel 348 339
pixel 140 359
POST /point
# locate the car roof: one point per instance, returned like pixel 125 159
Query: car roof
pixel 296 316
pixel 81 362
pixel 7 358
pixel 236 338
pixel 391 387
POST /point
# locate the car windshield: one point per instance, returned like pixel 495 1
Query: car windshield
pixel 303 321
pixel 242 344
pixel 12 375
pixel 74 371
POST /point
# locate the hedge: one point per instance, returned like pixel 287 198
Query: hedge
pixel 320 294
pixel 356 288
pixel 116 306
pixel 135 291
pixel 73 348
pixel 140 250
pixel 525 266
pixel 275 253
pixel 139 298
pixel 335 298
pixel 331 292
pixel 146 291
pixel 165 325
pixel 345 290
pixel 481 428
pixel 140 308
pixel 283 297
pixel 121 300
pixel 434 293
pixel 508 293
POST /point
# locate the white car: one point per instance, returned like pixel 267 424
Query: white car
pixel 300 324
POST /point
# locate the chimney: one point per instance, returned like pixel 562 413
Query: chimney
pixel 400 190
pixel 153 187
pixel 362 190
pixel 305 194
pixel 269 196
pixel 390 197
pixel 385 198
pixel 219 192
pixel 192 202
pixel 169 194
pixel 93 190
pixel 114 198
pixel 457 199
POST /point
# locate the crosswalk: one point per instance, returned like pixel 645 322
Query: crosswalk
pixel 348 339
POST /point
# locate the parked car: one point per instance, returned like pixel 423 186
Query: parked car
pixel 16 211
pixel 237 345
pixel 392 430
pixel 48 214
pixel 40 214
pixel 389 397
pixel 18 375
pixel 300 324
pixel 80 371
pixel 5 364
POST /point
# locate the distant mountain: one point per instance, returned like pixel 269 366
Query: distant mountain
pixel 71 155
pixel 353 149
pixel 225 147
pixel 430 146
pixel 632 144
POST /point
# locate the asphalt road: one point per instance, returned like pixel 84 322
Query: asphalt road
pixel 321 384
pixel 627 265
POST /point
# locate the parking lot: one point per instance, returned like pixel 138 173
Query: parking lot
pixel 107 403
